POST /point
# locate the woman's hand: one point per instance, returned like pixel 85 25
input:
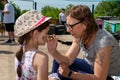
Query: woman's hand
pixel 52 44
pixel 64 69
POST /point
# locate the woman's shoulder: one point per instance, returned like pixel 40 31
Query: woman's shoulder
pixel 103 34
pixel 105 38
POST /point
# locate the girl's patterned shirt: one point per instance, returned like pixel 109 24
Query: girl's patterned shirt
pixel 28 72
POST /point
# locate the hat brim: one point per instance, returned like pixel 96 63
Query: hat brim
pixel 34 27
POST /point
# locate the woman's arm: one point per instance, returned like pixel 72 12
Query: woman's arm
pixel 101 67
pixel 73 51
pixel 69 56
pixel 102 62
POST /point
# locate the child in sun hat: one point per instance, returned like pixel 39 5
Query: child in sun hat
pixel 31 28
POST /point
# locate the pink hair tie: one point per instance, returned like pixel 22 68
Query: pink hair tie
pixel 21 46
pixel 19 78
pixel 19 63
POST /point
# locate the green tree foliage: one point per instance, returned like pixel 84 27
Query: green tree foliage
pixel 69 6
pixel 23 11
pixel 1 6
pixel 108 8
pixel 50 11
pixel 53 12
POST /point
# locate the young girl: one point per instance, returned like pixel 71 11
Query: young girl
pixel 31 29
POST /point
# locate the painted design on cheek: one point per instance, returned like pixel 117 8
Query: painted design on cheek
pixel 44 38
pixel 50 37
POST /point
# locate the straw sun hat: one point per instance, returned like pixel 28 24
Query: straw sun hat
pixel 29 21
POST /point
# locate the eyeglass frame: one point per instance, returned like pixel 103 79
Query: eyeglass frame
pixel 71 26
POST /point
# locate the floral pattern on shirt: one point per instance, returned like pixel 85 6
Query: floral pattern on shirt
pixel 28 72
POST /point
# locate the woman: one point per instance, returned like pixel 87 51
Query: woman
pixel 99 48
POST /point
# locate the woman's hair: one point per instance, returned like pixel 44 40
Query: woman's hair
pixel 23 40
pixel 83 13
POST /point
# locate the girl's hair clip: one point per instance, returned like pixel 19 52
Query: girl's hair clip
pixel 19 63
pixel 21 46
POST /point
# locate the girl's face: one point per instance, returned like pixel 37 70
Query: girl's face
pixel 74 27
pixel 42 36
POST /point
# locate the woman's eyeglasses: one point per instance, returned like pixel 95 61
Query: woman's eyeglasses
pixel 71 26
